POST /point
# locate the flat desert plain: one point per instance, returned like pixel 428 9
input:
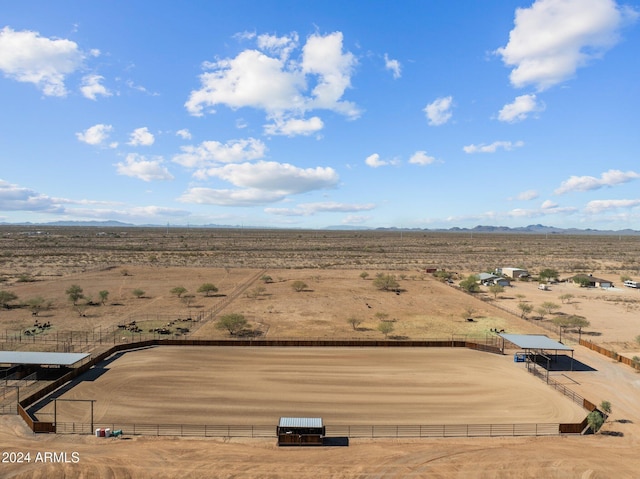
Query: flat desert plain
pixel 46 263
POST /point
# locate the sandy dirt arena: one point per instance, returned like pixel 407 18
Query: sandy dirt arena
pixel 344 386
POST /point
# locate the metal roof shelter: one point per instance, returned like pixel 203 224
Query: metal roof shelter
pixel 300 431
pixel 536 343
pixel 41 359
pixel 300 422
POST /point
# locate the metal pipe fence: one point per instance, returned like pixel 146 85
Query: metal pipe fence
pixel 534 369
pixel 354 431
pixel 87 342
pixel 9 408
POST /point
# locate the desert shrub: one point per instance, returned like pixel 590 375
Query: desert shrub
pixel 547 274
pixel 75 293
pixel 25 278
pixel 470 284
pixel 385 327
pixel 37 304
pixel 595 421
pixel 207 289
pixel 104 295
pixel 566 298
pixel 525 309
pixel 233 323
pixel 7 297
pixel 256 292
pixel 354 322
pixel 386 282
pixel 178 291
pixel 299 286
pixel 443 275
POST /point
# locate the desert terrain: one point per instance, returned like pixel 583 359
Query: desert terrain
pixel 45 262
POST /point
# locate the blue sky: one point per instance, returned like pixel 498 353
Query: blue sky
pixel 414 114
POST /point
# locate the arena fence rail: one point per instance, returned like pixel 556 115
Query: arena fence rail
pixel 353 432
pixel 449 430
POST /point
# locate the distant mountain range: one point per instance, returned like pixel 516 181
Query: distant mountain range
pixel 531 229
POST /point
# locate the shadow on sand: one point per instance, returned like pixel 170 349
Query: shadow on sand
pixel 562 362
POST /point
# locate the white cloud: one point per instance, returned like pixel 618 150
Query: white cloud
pixel 184 134
pixel 548 205
pixel 493 147
pixel 587 183
pixel 242 197
pixel 439 111
pixel 95 135
pixel 138 166
pixel 141 137
pixel 18 198
pixel 209 153
pixel 393 65
pixel 140 88
pixel 281 46
pixel 528 195
pixel 309 209
pixel 295 126
pixel 323 56
pixel 598 206
pixel 252 79
pixel 520 109
pixel 276 85
pixel 374 161
pixel 25 56
pixel 553 38
pixel 421 158
pixel 245 35
pixel 134 213
pixel 155 211
pixel 91 87
pixel 276 177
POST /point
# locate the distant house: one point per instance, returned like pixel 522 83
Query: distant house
pixel 590 281
pixel 488 279
pixel 513 273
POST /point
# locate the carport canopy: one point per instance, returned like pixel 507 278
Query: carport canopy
pixel 536 343
pixel 42 359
